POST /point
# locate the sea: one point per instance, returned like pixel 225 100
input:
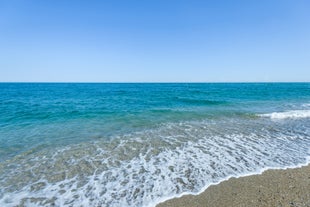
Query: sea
pixel 138 144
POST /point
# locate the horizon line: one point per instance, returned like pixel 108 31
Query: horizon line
pixel 155 82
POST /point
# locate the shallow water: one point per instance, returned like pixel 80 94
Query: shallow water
pixel 137 144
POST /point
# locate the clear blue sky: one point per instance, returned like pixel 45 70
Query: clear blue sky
pixel 154 40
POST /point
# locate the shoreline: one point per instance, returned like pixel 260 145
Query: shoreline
pixel 271 187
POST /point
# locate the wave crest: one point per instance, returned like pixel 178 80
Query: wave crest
pixel 294 114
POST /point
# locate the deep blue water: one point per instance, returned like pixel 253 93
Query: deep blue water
pixel 100 134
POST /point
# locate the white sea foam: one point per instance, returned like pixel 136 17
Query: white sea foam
pixel 306 105
pixel 145 168
pixel 294 114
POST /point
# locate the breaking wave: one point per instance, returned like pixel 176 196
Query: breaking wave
pixel 293 114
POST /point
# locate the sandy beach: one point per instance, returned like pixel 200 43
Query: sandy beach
pixel 289 187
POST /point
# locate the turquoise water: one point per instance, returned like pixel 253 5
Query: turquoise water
pixel 138 144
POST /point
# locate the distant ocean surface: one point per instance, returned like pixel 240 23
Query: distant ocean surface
pixel 135 145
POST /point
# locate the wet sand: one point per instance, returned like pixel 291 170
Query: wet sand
pixel 277 188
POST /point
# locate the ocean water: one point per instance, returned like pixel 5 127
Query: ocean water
pixel 139 144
